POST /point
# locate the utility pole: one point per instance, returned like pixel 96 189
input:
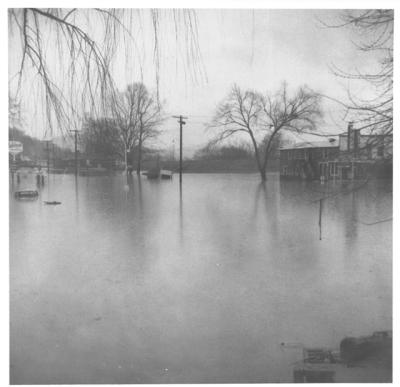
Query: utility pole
pixel 181 123
pixel 76 150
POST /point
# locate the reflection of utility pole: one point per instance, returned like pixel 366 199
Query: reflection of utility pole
pixel 52 154
pixel 48 156
pixel 76 150
pixel 181 123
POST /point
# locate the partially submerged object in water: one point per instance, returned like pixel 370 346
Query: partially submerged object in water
pixel 320 355
pixel 320 365
pixel 355 349
pixel 152 174
pixel 26 194
pixel 311 374
pixel 166 174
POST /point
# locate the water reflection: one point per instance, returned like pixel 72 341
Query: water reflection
pixel 76 184
pixel 267 200
pixel 181 238
pixel 129 187
pixel 353 221
pixel 140 191
pixel 162 283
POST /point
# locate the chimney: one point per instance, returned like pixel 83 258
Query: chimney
pixel 349 130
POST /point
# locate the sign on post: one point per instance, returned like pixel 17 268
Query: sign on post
pixel 15 147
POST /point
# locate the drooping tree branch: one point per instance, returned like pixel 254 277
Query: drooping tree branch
pixel 80 79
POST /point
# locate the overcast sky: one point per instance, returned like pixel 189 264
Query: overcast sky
pixel 256 49
pixel 260 49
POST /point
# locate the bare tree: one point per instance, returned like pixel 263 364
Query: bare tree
pixel 123 107
pixel 263 117
pixel 137 115
pixel 149 117
pixel 239 113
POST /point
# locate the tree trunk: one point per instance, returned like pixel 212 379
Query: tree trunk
pixel 263 174
pixel 139 161
pixel 264 167
pixel 266 156
pixel 126 161
pixel 257 157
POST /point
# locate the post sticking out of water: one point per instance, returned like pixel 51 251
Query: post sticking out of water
pixel 320 219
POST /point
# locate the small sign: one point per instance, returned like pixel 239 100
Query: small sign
pixel 15 147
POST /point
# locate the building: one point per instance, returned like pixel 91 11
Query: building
pixel 303 160
pixel 352 156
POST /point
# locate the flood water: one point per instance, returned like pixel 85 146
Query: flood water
pixel 135 283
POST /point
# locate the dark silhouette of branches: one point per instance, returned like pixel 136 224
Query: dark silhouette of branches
pixel 86 62
pixel 263 117
pixel 137 115
pixel 375 30
pixel 69 55
pixel 149 117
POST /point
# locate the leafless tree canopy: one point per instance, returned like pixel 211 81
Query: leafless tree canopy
pixel 137 115
pixel 263 116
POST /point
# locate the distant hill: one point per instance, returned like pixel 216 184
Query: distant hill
pixel 36 149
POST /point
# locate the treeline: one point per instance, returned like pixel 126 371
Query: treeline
pixel 224 152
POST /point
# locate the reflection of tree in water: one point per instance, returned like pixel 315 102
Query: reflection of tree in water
pixel 320 196
pixel 128 188
pixel 351 218
pixel 77 196
pixel 267 206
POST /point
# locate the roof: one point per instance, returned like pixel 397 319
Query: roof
pixel 345 134
pixel 312 144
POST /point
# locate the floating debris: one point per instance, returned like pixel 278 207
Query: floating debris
pixel 26 194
